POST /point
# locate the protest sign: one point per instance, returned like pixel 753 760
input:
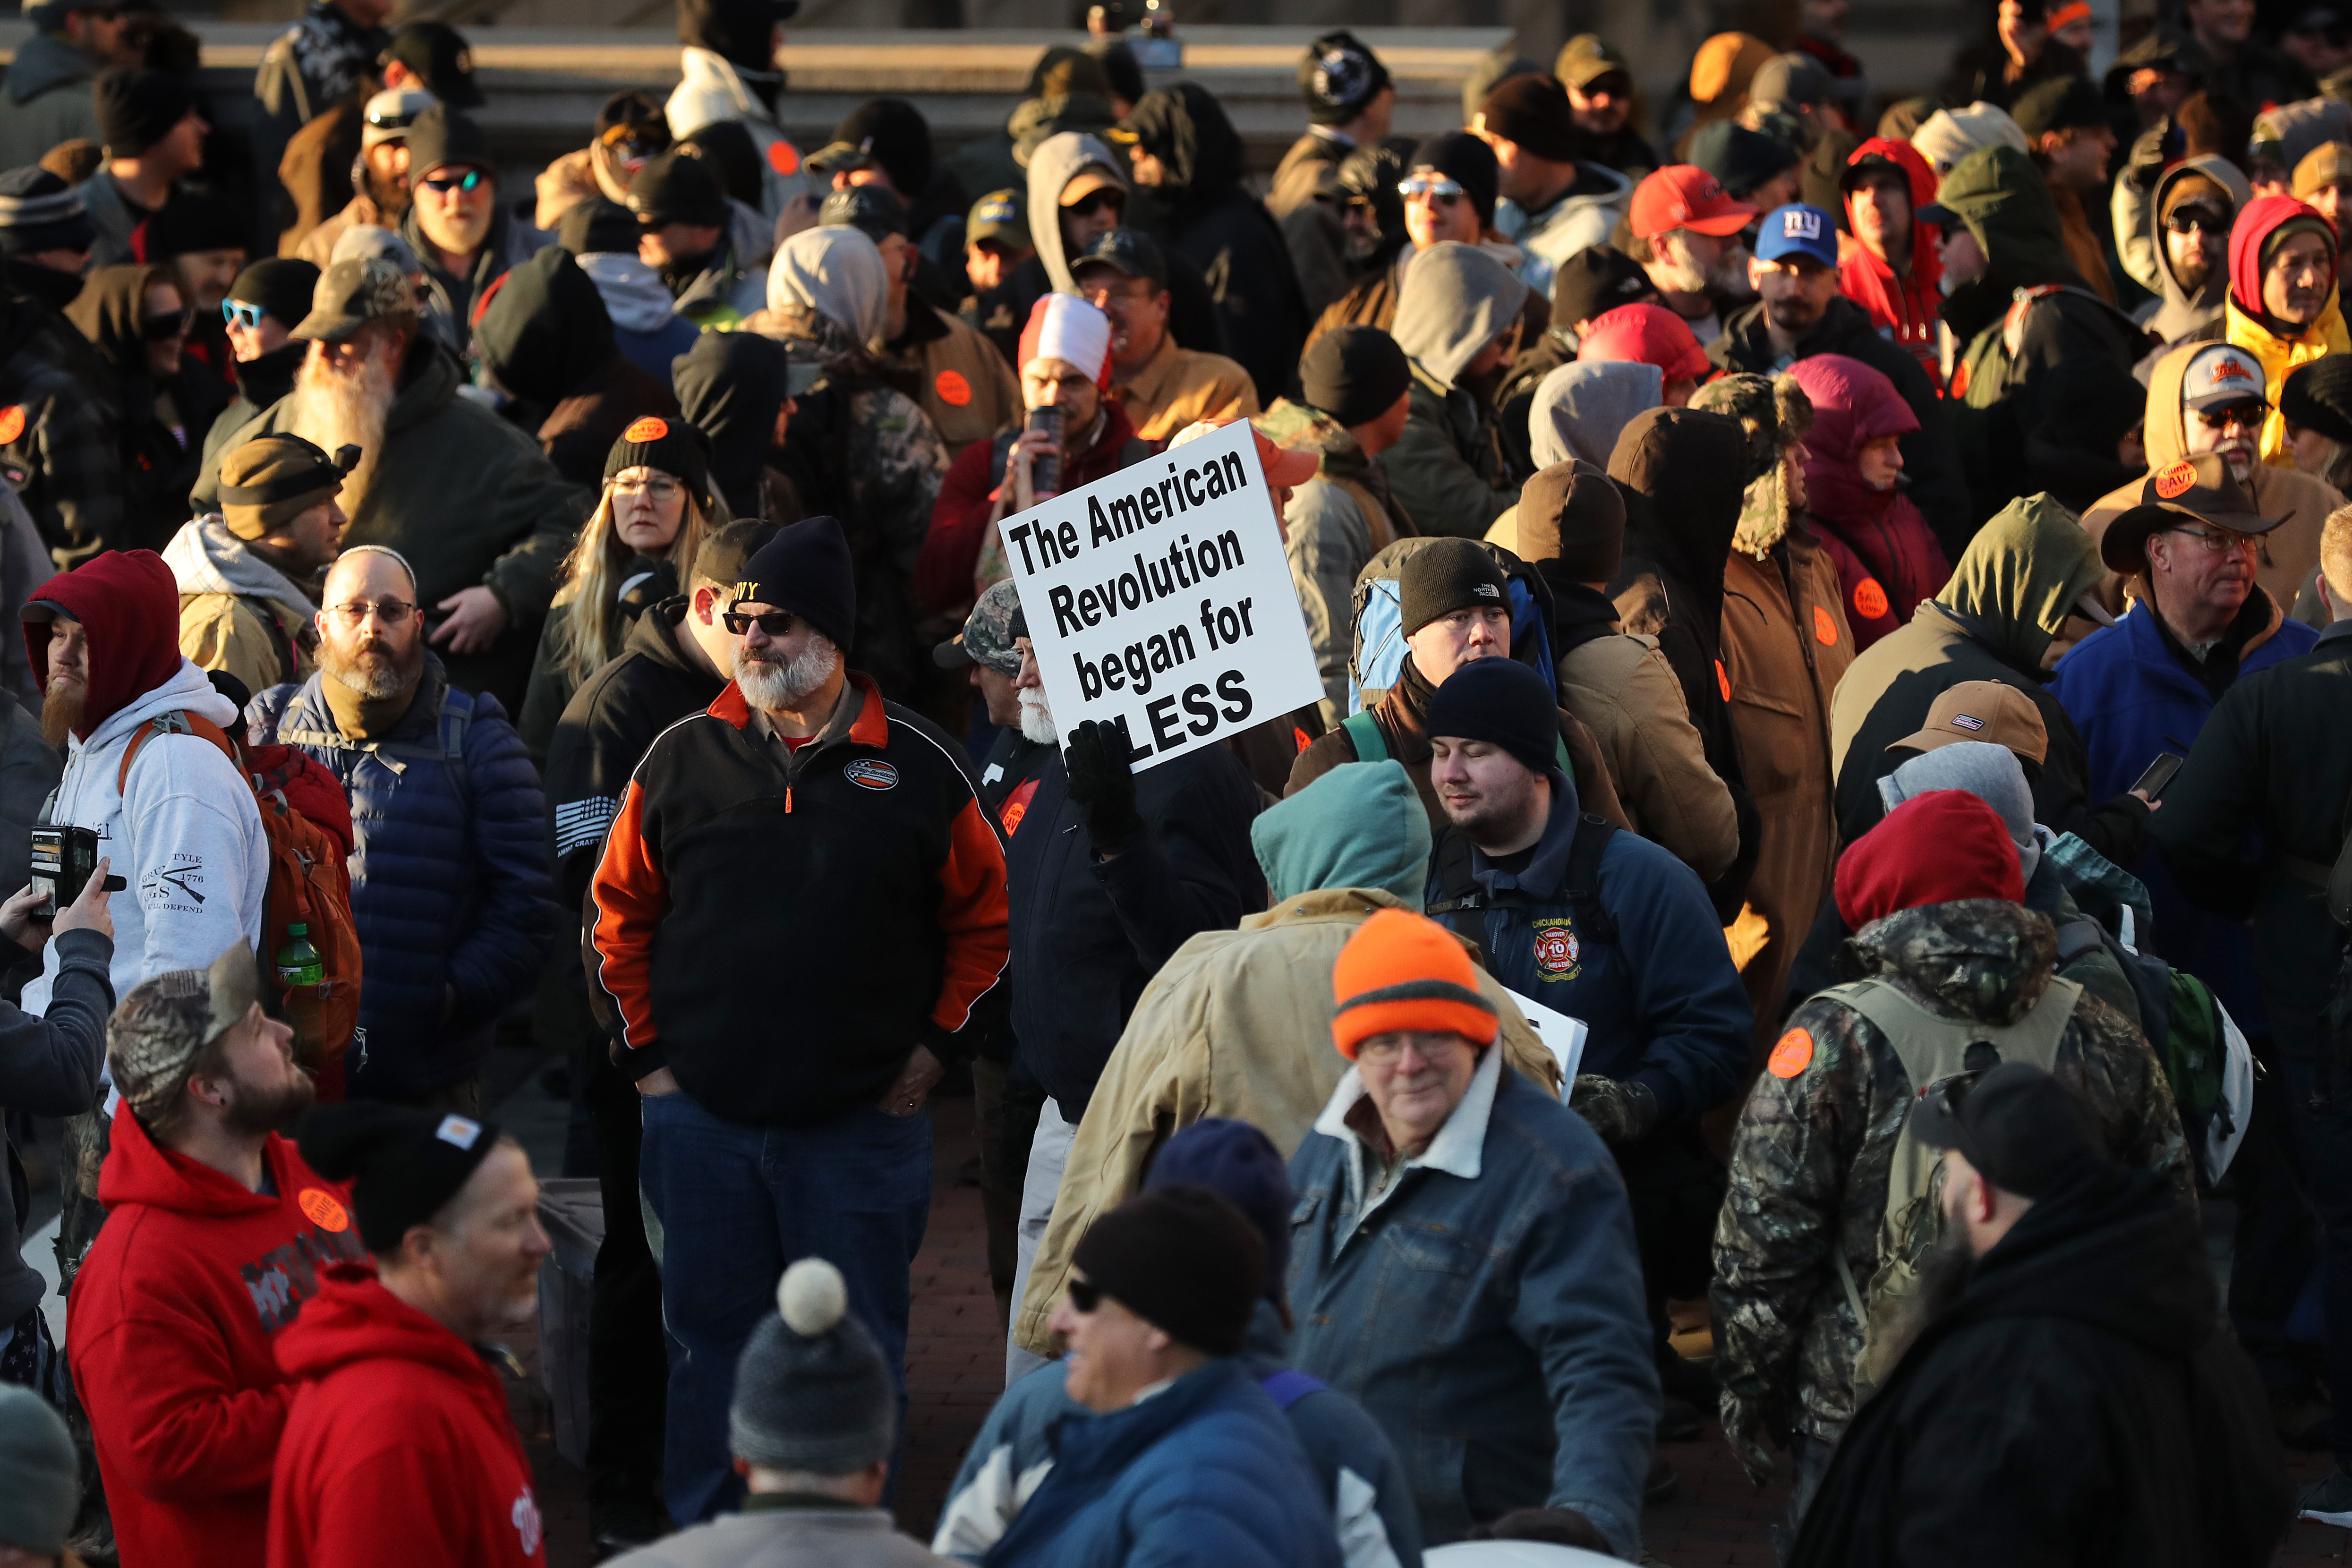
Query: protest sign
pixel 1159 600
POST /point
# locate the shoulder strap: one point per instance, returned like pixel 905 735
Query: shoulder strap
pixel 1364 730
pixel 1376 516
pixel 1584 852
pixel 1289 1386
pixel 175 722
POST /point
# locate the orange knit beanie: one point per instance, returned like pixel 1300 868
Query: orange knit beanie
pixel 1403 970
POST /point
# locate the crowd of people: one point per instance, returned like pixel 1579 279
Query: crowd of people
pixel 1834 613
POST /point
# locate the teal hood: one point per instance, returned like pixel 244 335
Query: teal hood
pixel 1361 825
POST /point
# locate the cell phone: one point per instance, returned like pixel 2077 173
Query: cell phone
pixel 2159 774
pixel 1045 469
pixel 64 858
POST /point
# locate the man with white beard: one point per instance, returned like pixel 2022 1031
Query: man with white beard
pixel 1112 871
pixel 1686 231
pixel 799 903
pixel 466 498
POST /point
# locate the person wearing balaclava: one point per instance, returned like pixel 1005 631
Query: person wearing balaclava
pixel 546 341
pixel 1183 147
pixel 857 449
pixel 728 72
pixel 1459 322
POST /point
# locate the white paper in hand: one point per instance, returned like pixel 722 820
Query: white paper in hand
pixel 1561 1035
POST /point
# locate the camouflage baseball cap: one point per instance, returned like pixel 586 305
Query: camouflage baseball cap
pixel 353 293
pixel 154 1037
pixel 988 634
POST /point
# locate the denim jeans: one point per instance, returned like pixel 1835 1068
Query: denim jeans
pixel 732 1204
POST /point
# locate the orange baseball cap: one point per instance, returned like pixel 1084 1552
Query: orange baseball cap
pixel 1684 195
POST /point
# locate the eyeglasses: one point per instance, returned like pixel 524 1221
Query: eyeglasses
pixel 444 183
pixel 2180 220
pixel 2244 415
pixel 391 612
pixel 661 489
pixel 1085 1294
pixel 2218 540
pixel 775 623
pixel 1094 202
pixel 1435 187
pixel 243 314
pixel 163 329
pixel 1387 1048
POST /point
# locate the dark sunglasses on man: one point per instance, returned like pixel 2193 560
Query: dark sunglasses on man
pixel 1094 202
pixel 775 623
pixel 162 328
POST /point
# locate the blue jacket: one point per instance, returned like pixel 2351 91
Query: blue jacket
pixel 1353 1464
pixel 449 876
pixel 2129 696
pixel 1204 1473
pixel 1663 1000
pixel 1491 1322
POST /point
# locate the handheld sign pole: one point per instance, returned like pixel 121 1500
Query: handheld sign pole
pixel 1159 600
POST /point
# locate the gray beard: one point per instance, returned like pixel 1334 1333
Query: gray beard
pixel 333 410
pixel 384 675
pixel 1037 719
pixel 774 685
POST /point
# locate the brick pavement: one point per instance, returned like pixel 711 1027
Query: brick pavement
pixel 955 1369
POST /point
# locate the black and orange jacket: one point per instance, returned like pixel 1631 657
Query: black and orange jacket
pixel 782 934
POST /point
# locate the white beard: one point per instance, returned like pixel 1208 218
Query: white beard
pixel 1673 268
pixel 774 685
pixel 333 410
pixel 1036 719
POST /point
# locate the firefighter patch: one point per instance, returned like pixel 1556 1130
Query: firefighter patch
pixel 1558 953
pixel 869 773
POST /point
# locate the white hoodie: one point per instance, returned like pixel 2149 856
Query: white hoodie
pixel 708 92
pixel 185 839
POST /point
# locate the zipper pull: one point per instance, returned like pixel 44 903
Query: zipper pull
pixel 788 800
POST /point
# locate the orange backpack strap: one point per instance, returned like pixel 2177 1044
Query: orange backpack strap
pixel 176 722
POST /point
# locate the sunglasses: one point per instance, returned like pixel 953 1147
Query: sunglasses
pixel 1435 187
pixel 1094 202
pixel 775 623
pixel 163 329
pixel 2183 219
pixel 444 183
pixel 2244 415
pixel 243 314
pixel 1085 1295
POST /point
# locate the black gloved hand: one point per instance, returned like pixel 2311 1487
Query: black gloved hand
pixel 1102 786
pixel 1620 1110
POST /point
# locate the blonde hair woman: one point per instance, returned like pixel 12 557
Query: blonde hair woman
pixel 633 552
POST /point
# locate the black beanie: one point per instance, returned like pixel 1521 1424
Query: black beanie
pixel 1184 1259
pixel 404 1165
pixel 137 109
pixel 893 133
pixel 1533 111
pixel 726 150
pixel 281 284
pixel 1338 76
pixel 1595 281
pixel 673 446
pixel 805 569
pixel 1503 703
pixel 678 187
pixel 1467 162
pixel 39 211
pixel 440 137
pixel 1449 574
pixel 2318 396
pixel 597 228
pixel 1570 513
pixel 1355 373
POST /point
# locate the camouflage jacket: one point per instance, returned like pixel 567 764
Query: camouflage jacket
pixel 1815 1142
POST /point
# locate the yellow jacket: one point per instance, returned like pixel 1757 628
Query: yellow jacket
pixel 2279 355
pixel 1238 1024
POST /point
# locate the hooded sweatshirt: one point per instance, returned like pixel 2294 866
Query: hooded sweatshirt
pixel 545 337
pixel 2287 553
pixel 1887 558
pixel 1580 410
pixel 2185 310
pixel 731 386
pixel 1446 469
pixel 647 326
pixel 1902 307
pixel 398 1450
pixel 1360 827
pixel 160 459
pixel 836 272
pixel 1987 770
pixel 171 1330
pixel 185 836
pixel 238 612
pixel 2279 347
pixel 725 45
pixel 1053 166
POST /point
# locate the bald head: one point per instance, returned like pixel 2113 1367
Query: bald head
pixel 371 628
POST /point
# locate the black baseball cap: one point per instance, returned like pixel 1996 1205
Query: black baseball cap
pixel 872 210
pixel 437 52
pixel 2022 1129
pixel 1131 250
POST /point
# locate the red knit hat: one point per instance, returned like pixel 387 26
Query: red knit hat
pixel 1932 849
pixel 1646 334
pixel 1403 971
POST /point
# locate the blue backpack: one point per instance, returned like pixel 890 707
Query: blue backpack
pixel 1380 619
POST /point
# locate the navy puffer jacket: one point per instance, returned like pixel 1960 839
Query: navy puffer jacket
pixel 450 887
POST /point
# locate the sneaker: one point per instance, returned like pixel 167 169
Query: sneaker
pixel 2328 1499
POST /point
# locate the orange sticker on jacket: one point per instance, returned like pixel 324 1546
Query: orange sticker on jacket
pixel 321 1209
pixel 2175 478
pixel 1869 599
pixel 1722 681
pixel 651 427
pixel 1791 1055
pixel 784 157
pixel 1825 629
pixel 953 389
pixel 12 423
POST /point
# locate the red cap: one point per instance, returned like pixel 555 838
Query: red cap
pixel 1934 848
pixel 1684 195
pixel 1646 334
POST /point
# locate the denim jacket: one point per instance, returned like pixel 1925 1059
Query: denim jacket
pixel 1487 1309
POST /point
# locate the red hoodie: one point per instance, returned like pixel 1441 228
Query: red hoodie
pixel 169 1329
pixel 1886 555
pixel 1906 309
pixel 130 604
pixel 399 1452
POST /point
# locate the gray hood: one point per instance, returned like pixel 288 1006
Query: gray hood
pixel 1053 166
pixel 1990 773
pixel 2181 312
pixel 207 558
pixel 1456 300
pixel 43 62
pixel 1580 410
pixel 632 292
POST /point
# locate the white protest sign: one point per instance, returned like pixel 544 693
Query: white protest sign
pixel 1561 1035
pixel 1157 599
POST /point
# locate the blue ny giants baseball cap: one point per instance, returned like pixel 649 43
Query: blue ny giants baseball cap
pixel 1797 230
